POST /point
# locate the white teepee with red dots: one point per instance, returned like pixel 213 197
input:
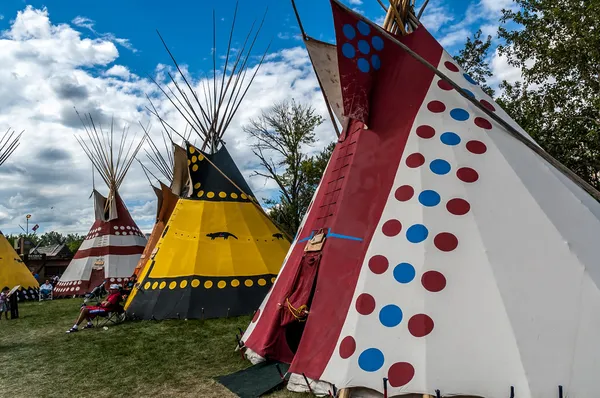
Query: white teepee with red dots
pixel 114 244
pixel 443 250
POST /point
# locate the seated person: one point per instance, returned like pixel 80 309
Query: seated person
pixel 89 312
pixel 46 289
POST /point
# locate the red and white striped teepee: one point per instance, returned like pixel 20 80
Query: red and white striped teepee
pixel 114 244
pixel 444 250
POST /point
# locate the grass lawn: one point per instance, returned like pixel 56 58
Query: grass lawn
pixel 166 359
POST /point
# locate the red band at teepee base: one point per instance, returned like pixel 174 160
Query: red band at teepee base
pixel 352 195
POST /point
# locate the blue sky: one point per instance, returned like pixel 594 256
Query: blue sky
pixel 187 25
pixel 95 55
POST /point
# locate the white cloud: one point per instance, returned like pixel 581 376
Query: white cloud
pixel 119 71
pixel 495 6
pixel 47 69
pixel 454 37
pixel 355 2
pixel 87 23
pixel 435 18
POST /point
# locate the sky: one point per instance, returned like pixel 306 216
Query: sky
pixel 97 56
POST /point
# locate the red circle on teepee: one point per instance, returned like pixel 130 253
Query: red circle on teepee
pixel 476 147
pixel 467 174
pixel 444 85
pixel 347 347
pixel 425 131
pixel 458 207
pixel 420 325
pixel 400 374
pixel 404 193
pixel 391 228
pixel 256 315
pixel 378 264
pixel 365 304
pixel 433 281
pixel 415 160
pixel 450 66
pixel 483 123
pixel 445 241
pixel 436 106
pixel 488 105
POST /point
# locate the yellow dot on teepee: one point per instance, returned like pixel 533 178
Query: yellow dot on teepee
pixel 222 195
pixel 221 284
pixel 210 195
pixel 200 157
pixel 234 195
pixel 208 284
pixel 249 282
pixel 147 285
pixel 200 193
pixel 235 283
pixel 195 283
pixel 195 167
pixel 154 285
pixel 183 284
pixel 262 282
pixel 172 285
pixel 273 280
pixel 244 196
pixel 189 162
pixel 194 159
pixel 192 149
pixel 162 285
pixel 197 185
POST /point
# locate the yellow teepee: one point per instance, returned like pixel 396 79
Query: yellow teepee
pixel 219 253
pixel 13 271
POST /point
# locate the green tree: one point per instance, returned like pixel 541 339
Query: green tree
pixel 474 60
pixel 556 43
pixel 280 138
pixel 73 242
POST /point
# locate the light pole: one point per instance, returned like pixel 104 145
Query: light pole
pixel 28 217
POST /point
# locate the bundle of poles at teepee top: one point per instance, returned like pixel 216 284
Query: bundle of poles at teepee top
pixel 112 159
pixel 400 16
pixel 210 113
pixel 9 142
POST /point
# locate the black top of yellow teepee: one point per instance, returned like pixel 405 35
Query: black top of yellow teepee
pixel 8 144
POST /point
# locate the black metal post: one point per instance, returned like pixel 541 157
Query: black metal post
pixel 512 392
pixel 385 380
pixel 307 383
pixel 560 391
pixel 438 394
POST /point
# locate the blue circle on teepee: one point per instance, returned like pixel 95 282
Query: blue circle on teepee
pixel 376 62
pixel 404 273
pixel 450 138
pixel 469 92
pixel 363 65
pixel 469 79
pixel 349 31
pixel 439 167
pixel 459 114
pixel 417 233
pixel 429 198
pixel 377 43
pixel 348 50
pixel 390 315
pixel 371 360
pixel 364 47
pixel 363 27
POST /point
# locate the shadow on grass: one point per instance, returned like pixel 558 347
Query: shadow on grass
pixel 146 358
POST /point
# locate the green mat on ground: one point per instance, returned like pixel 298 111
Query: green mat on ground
pixel 256 380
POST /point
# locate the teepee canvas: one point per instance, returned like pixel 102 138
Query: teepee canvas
pixel 174 169
pixel 13 272
pixel 114 243
pixel 219 252
pixel 444 250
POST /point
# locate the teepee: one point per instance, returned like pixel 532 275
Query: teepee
pixel 13 272
pixel 114 243
pixel 173 168
pixel 219 252
pixel 455 257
